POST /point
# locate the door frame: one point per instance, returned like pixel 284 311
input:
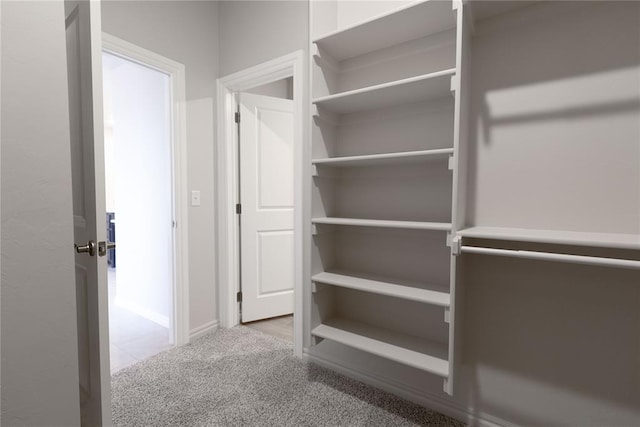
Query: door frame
pixel 176 71
pixel 291 65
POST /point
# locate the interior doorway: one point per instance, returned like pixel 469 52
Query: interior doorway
pixel 229 182
pixel 141 192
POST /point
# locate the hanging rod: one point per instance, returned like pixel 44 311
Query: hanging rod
pixel 545 256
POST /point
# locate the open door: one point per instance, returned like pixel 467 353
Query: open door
pixel 266 195
pixel 84 61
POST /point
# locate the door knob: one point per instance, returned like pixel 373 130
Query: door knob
pixel 89 248
pixel 103 247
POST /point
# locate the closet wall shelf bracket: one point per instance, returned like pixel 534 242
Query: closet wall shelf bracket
pixel 452 163
pixel 456 245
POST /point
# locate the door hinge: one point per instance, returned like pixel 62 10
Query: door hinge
pixel 238 208
pixel 239 297
pixel 237 117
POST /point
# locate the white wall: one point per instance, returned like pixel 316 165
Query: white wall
pixel 140 109
pixel 39 339
pixel 253 32
pixel 186 32
pixel 279 89
pixel 550 104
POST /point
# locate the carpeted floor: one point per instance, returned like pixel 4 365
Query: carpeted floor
pixel 242 377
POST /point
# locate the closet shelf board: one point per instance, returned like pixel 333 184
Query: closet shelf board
pixel 442 299
pixel 386 158
pixel 397 26
pixel 605 240
pixel 406 91
pixel 412 351
pixel 412 225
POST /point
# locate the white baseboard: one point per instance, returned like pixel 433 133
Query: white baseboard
pixel 141 311
pixel 203 330
pixel 427 400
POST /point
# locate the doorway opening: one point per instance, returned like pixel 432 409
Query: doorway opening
pixel 268 196
pixel 142 183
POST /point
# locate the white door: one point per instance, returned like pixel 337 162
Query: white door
pixel 266 197
pixel 84 62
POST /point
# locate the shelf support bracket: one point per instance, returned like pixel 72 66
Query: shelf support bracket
pixel 447 386
pixel 452 163
pixel 454 83
pixel 456 245
pixel 314 288
pixel 447 315
pixel 316 340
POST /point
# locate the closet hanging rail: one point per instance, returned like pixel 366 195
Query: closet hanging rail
pixel 574 259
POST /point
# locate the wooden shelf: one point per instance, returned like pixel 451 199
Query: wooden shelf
pixel 412 351
pixel 386 158
pixel 406 91
pixel 411 225
pixel 351 281
pixel 605 240
pixel 398 26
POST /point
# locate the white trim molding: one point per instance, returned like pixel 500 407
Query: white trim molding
pixel 179 321
pixel 141 311
pixel 291 65
pixel 203 330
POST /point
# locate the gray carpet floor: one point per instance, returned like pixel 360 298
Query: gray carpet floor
pixel 242 377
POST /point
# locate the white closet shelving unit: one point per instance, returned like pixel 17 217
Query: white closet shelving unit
pixel 386 106
pixel 406 91
pixel 410 291
pixel 409 225
pixel 520 190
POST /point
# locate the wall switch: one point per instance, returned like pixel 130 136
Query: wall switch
pixel 195 198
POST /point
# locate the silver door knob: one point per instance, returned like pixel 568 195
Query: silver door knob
pixel 89 248
pixel 103 247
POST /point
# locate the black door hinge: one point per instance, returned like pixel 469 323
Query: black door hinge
pixel 239 297
pixel 237 116
pixel 238 208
